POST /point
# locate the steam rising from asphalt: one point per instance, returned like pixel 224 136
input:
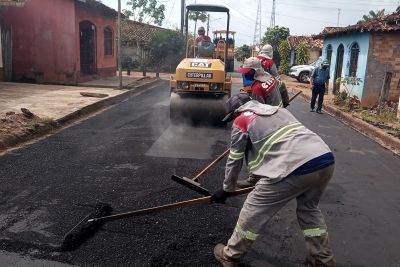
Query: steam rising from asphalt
pixel 192 133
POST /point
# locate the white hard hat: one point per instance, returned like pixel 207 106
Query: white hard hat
pixel 250 63
pixel 267 51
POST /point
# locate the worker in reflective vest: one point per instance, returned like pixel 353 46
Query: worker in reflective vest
pixel 268 64
pixel 291 162
pixel 263 87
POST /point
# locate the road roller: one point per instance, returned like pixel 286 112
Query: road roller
pixel 201 86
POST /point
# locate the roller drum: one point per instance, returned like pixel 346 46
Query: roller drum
pixel 197 108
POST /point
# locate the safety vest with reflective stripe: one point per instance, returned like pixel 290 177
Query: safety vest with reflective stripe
pixel 273 145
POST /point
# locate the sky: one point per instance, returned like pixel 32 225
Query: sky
pixel 302 17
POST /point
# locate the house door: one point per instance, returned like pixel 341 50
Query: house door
pixel 338 70
pixel 87 32
pixel 6 50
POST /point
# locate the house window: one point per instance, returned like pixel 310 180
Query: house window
pixel 329 53
pixel 108 41
pixel 355 50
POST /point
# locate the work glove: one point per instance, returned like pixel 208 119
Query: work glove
pixel 219 196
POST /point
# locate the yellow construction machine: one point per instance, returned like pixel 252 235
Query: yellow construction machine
pixel 200 86
pixel 220 42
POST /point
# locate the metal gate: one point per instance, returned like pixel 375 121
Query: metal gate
pixel 6 47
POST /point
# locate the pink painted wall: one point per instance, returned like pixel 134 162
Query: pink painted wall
pixel 46 41
pixel 106 65
pixel 43 40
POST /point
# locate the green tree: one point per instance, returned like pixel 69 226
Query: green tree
pixel 398 9
pixel 166 50
pixel 195 16
pixel 284 51
pixel 374 15
pixel 242 52
pixel 303 53
pixel 274 36
pixel 146 11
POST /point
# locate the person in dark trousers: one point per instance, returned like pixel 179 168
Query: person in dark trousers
pixel 292 163
pixel 319 82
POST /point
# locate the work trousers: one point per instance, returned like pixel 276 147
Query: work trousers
pixel 267 199
pixel 317 91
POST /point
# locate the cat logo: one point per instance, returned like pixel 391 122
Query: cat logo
pixel 200 64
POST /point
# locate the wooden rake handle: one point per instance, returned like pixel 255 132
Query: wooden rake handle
pixel 220 157
pixel 187 203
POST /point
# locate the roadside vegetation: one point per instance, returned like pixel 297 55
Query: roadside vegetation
pixel 382 115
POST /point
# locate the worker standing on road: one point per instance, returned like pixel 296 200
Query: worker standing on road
pixel 292 161
pixel 319 82
pixel 263 88
pixel 268 64
pixel 261 85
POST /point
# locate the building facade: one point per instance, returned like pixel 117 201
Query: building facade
pixel 370 51
pixel 314 45
pixel 59 41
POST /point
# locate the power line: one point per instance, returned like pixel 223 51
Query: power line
pixel 170 12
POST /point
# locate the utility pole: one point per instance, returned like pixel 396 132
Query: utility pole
pixel 272 23
pixel 182 15
pixel 208 23
pixel 257 28
pixel 119 46
pixel 338 16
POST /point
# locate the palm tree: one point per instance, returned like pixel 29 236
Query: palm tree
pixel 374 15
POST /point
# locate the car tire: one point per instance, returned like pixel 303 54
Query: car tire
pixel 304 77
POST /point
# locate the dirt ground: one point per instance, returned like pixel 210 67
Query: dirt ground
pixel 48 103
pixel 19 127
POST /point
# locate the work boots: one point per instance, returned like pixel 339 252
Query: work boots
pixel 224 260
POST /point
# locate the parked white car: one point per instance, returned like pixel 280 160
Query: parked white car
pixel 302 72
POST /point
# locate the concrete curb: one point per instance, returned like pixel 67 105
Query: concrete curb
pixel 126 86
pixel 105 102
pixel 89 109
pixel 379 136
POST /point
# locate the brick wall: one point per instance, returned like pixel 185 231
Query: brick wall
pixel 383 57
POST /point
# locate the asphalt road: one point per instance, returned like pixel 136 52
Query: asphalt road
pixel 126 155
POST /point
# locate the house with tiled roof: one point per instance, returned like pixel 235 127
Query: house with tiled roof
pixel 369 50
pixel 135 39
pixel 64 42
pixel 315 47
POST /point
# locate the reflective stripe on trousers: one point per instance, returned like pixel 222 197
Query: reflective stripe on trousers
pixel 267 199
pixel 314 232
pixel 245 233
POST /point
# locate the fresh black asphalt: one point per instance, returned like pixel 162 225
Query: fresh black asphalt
pixel 118 157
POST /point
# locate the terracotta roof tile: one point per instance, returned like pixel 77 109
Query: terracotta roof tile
pixel 137 31
pixel 96 6
pixel 387 23
pixel 294 41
